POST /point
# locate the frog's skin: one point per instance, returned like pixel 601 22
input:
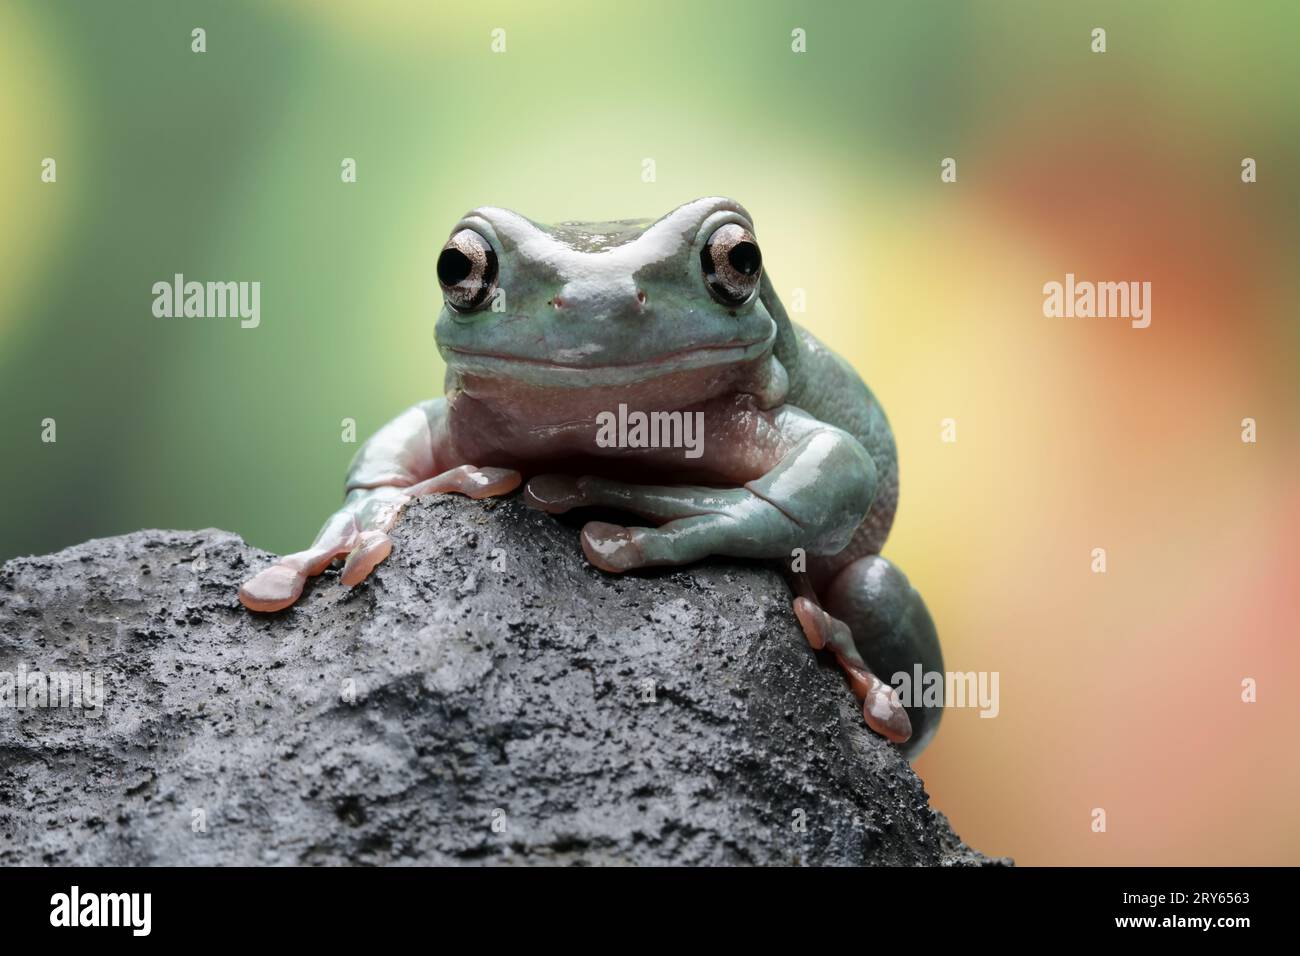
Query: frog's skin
pixel 556 324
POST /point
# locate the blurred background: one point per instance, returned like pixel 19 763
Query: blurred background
pixel 1119 691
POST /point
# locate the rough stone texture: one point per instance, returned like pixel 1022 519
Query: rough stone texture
pixel 497 677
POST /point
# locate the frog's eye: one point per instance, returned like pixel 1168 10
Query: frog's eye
pixel 467 270
pixel 732 263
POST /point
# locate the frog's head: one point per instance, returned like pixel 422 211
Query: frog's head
pixel 605 304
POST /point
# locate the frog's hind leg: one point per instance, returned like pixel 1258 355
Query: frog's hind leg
pixel 875 623
pixel 881 708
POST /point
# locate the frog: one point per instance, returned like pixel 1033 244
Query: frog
pixel 546 331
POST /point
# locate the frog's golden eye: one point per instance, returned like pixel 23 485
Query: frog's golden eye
pixel 467 270
pixel 732 263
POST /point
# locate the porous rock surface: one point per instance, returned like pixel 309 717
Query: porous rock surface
pixel 486 697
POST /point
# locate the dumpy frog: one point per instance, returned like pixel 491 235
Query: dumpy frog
pixel 549 331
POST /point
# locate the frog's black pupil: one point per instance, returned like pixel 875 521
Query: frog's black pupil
pixel 453 266
pixel 745 258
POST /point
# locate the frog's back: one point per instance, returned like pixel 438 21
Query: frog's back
pixel 826 386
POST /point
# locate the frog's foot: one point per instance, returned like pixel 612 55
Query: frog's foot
pixel 881 708
pixel 892 633
pixel 696 520
pixel 470 481
pixel 358 532
pixel 278 586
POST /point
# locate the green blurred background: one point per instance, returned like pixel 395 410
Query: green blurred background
pixel 1119 691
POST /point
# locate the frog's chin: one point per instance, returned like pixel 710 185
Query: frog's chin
pixel 563 400
pixel 540 373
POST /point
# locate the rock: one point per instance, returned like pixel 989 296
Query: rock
pixel 487 697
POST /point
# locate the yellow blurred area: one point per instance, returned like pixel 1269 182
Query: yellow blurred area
pixel 35 109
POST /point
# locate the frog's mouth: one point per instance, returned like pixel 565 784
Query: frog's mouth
pixel 555 374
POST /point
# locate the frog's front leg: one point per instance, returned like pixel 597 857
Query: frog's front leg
pixel 814 498
pixel 403 460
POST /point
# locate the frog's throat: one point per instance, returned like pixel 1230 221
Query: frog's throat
pixel 764 379
pixel 546 374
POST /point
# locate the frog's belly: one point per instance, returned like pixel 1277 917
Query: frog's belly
pixel 724 441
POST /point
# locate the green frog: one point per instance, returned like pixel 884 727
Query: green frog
pixel 738 433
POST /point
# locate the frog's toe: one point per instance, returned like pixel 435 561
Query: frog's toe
pixel 611 547
pixel 468 480
pixel 372 548
pixel 819 628
pixel 881 707
pixel 554 493
pixel 273 589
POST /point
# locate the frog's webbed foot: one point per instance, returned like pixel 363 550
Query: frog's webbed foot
pixel 875 623
pixel 358 533
pixel 881 707
pixel 696 521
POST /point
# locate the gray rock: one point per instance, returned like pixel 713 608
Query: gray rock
pixel 486 697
